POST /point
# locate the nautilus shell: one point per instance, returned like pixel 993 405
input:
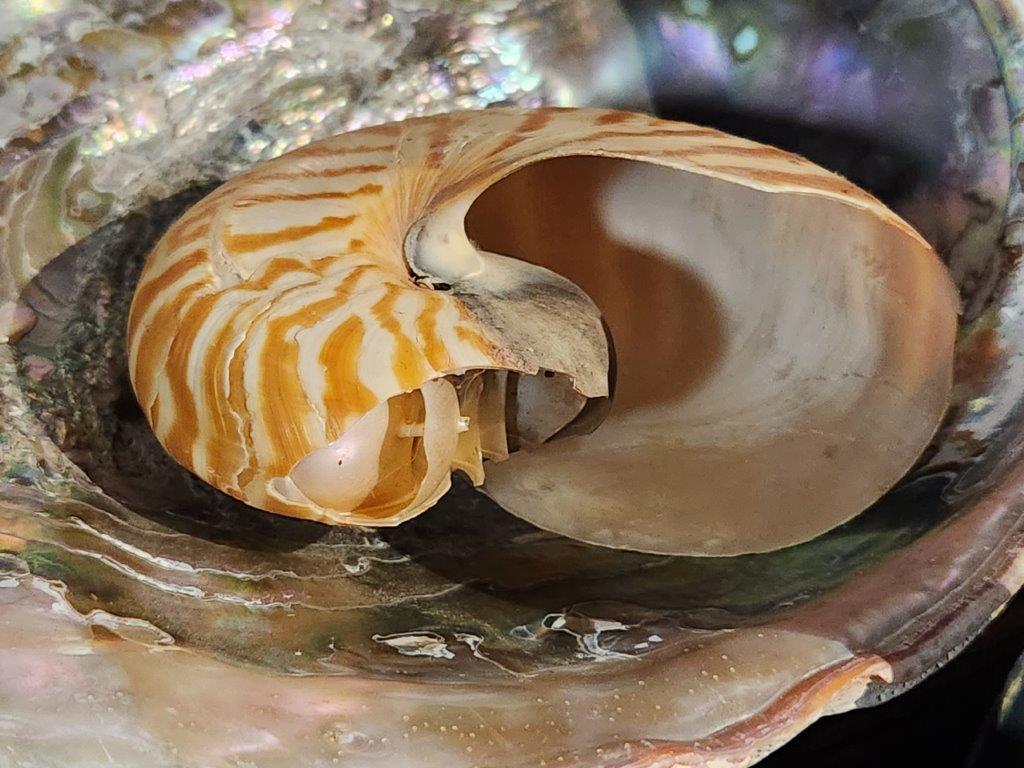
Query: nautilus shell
pixel 331 334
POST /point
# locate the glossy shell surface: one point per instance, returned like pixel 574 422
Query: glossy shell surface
pixel 299 298
pixel 135 601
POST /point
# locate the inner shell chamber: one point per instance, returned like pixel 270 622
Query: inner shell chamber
pixel 399 455
pixel 782 359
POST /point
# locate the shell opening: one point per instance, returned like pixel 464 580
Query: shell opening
pixel 782 358
pixel 579 217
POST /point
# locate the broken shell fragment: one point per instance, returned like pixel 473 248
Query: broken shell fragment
pixel 332 333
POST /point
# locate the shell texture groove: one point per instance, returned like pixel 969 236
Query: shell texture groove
pixel 321 338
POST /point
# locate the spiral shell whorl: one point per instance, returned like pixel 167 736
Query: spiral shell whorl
pixel 263 328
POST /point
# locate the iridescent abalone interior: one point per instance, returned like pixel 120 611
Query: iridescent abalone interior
pixel 116 116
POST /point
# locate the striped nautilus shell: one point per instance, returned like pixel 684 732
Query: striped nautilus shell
pixel 331 334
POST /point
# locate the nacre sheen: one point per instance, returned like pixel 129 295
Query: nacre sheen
pixel 137 600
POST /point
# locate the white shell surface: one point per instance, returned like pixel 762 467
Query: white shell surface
pixel 782 359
